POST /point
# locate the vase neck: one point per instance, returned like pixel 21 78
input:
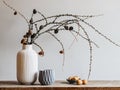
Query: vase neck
pixel 27 47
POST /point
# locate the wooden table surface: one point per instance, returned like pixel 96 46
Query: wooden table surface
pixel 62 85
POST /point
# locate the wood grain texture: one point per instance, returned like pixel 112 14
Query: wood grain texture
pixel 61 85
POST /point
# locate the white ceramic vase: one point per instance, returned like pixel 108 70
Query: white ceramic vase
pixel 27 65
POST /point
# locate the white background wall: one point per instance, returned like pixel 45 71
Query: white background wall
pixel 106 59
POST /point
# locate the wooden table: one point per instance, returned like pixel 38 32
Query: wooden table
pixel 62 85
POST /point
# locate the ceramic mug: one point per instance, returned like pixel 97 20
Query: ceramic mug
pixel 46 77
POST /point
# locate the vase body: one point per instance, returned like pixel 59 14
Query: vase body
pixel 46 77
pixel 27 65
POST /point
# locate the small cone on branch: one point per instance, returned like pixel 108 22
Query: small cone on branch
pixel 61 51
pixel 66 27
pixel 41 53
pixel 15 13
pixel 34 11
pixel 70 28
pixel 56 31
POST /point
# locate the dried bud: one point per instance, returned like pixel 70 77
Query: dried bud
pixel 25 36
pixel 15 13
pixel 41 27
pixel 66 27
pixel 61 52
pixel 41 53
pixel 70 28
pixel 31 20
pixel 34 11
pixel 24 40
pixel 56 31
pixel 32 36
pixel 30 32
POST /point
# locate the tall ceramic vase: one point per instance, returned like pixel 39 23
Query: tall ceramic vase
pixel 27 65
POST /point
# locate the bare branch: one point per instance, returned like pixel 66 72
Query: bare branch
pixel 38 46
pixel 90 46
pixel 43 16
pixel 16 11
pixel 67 15
pixel 36 27
pixel 101 33
pixel 60 44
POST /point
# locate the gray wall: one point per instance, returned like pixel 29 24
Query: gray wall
pixel 106 61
